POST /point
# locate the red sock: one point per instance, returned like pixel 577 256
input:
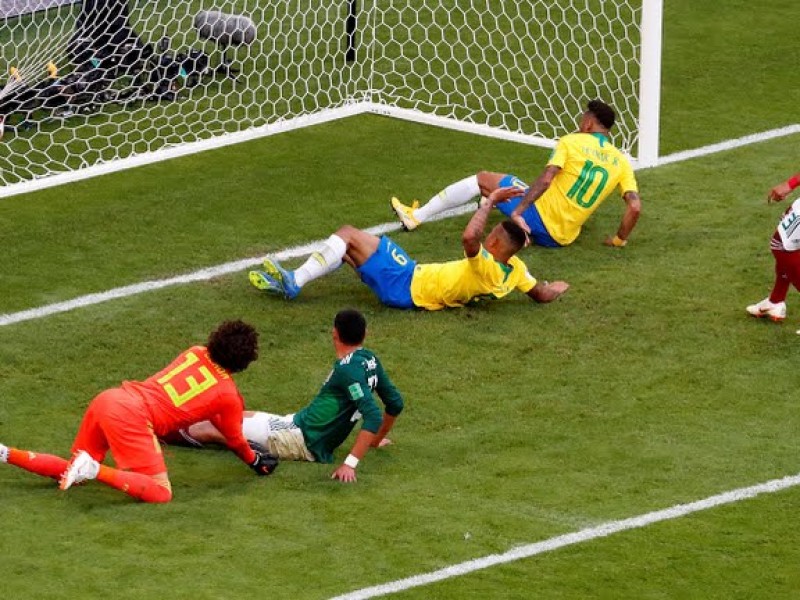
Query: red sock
pixel 142 487
pixel 780 289
pixel 41 464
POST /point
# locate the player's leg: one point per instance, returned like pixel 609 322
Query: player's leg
pixel 348 243
pixel 46 465
pixel 453 195
pixel 774 306
pixel 141 472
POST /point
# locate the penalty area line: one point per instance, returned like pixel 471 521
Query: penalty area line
pixel 201 275
pixel 577 537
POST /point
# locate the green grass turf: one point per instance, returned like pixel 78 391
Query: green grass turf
pixel 644 387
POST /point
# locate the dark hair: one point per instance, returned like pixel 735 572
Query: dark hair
pixel 351 326
pixel 233 345
pixel 515 233
pixel 602 112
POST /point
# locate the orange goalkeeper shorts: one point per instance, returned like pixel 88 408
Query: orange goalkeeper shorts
pixel 118 421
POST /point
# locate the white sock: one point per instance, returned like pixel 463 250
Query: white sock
pixel 453 195
pixel 326 259
pixel 3 453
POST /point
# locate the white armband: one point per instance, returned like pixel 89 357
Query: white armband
pixel 351 461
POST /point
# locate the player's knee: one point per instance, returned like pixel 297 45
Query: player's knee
pixel 347 232
pixel 159 492
pixel 488 181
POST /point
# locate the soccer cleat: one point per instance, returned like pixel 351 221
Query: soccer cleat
pixel 775 311
pixel 3 453
pixel 406 214
pixel 274 279
pixel 81 467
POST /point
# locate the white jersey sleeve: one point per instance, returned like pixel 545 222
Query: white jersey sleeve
pixel 789 227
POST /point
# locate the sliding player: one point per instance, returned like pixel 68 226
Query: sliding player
pixel 196 386
pixel 582 171
pixel 316 431
pixel 490 269
pixel 785 245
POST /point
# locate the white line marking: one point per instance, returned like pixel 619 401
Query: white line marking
pixel 577 537
pixel 201 275
pixel 729 144
pixel 297 251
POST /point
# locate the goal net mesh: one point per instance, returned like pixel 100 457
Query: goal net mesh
pixel 97 81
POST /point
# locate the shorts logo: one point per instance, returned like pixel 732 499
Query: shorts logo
pixel 355 391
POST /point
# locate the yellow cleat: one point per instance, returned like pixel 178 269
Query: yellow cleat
pixel 406 214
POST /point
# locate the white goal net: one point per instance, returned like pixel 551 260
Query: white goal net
pixel 91 86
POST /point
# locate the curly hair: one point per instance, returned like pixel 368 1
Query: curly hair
pixel 233 345
pixel 351 326
pixel 602 112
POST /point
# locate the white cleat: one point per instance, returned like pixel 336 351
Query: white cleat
pixel 82 467
pixel 775 311
pixel 3 453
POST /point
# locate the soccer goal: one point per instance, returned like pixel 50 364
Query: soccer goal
pixel 94 86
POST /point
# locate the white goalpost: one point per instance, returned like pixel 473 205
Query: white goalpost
pixel 95 86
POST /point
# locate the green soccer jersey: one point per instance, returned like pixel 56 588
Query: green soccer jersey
pixel 345 397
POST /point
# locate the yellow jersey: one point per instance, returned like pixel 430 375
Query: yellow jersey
pixel 437 285
pixel 591 168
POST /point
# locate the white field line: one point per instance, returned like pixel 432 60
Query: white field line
pixel 297 251
pixel 201 275
pixel 729 144
pixel 577 537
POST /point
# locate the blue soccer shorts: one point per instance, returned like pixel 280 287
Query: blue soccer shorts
pixel 388 273
pixel 539 234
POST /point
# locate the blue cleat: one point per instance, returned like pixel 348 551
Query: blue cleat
pixel 276 280
pixel 262 281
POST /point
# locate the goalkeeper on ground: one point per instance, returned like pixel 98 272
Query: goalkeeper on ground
pixel 582 171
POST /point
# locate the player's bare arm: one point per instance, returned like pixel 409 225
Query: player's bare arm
pixel 346 472
pixel 537 188
pixel 386 426
pixel 633 208
pixel 473 233
pixel 544 292
pixel 780 191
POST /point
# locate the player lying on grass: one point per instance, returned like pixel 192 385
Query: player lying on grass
pixel 316 431
pixel 582 171
pixel 489 270
pixel 785 245
pixel 196 386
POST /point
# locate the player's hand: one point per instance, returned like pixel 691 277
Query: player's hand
pixel 264 463
pixel 504 193
pixel 384 442
pixel 345 474
pixel 779 192
pixel 521 222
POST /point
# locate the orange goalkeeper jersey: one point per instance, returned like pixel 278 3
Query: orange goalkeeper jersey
pixel 193 388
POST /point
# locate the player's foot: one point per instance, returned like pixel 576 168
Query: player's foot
pixel 81 467
pixel 274 279
pixel 776 311
pixel 406 214
pixel 3 453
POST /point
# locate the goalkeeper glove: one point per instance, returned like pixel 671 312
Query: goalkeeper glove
pixel 264 463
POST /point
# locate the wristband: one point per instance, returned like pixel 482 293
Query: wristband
pixel 618 242
pixel 793 182
pixel 351 461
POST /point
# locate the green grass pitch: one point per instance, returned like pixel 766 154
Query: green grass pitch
pixel 645 386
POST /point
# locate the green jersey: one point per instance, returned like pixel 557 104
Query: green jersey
pixel 345 397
